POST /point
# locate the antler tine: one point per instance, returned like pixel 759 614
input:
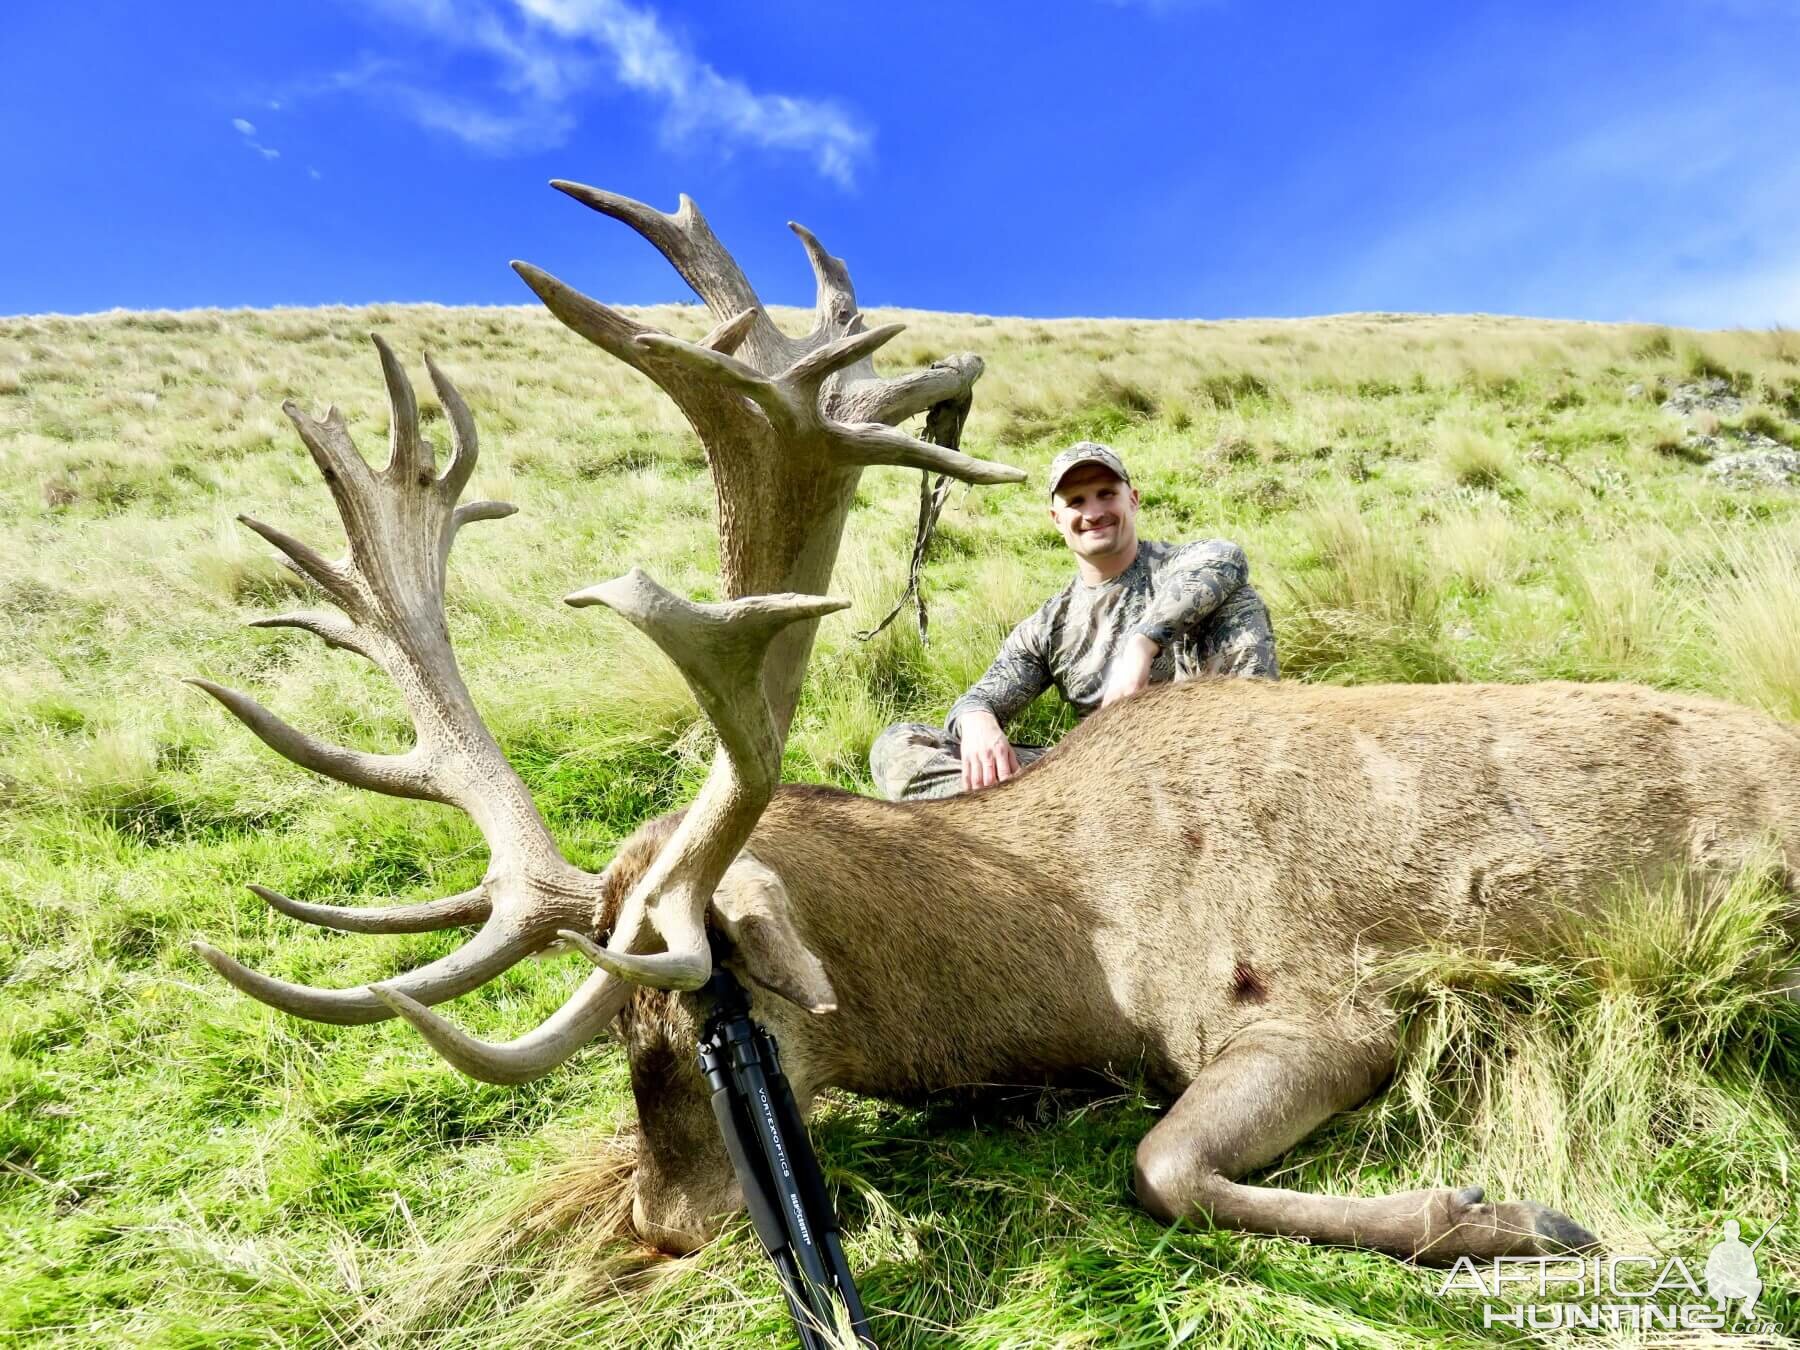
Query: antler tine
pixel 835 307
pixel 812 370
pixel 790 392
pixel 429 916
pixel 327 440
pixel 331 629
pixel 703 402
pixel 463 442
pixel 497 947
pixel 396 775
pixel 684 238
pixel 600 324
pixel 707 361
pixel 307 561
pixel 728 336
pixel 893 400
pixel 473 511
pixel 408 452
pixel 691 248
pixel 871 443
pixel 581 1018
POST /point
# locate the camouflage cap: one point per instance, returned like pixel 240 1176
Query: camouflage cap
pixel 1085 452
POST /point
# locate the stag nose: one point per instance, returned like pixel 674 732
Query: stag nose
pixel 670 1241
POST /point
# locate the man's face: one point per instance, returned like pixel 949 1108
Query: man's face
pixel 1096 512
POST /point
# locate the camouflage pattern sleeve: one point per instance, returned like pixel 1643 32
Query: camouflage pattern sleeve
pixel 1019 674
pixel 1189 586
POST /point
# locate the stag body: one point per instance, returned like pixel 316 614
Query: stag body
pixel 1200 884
pixel 1196 881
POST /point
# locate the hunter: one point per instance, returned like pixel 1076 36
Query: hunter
pixel 1135 613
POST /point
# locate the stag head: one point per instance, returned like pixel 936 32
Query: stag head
pixel 788 425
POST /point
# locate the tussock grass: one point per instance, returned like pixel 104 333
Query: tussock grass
pixel 1421 498
pixel 1474 549
pixel 1367 609
pixel 1474 459
pixel 1752 622
pixel 1652 1043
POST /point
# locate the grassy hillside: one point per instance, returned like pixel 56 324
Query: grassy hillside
pixel 1421 498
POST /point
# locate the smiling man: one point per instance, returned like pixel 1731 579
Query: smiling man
pixel 1136 613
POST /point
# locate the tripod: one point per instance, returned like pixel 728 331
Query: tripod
pixel 775 1164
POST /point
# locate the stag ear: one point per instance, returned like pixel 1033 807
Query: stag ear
pixel 751 908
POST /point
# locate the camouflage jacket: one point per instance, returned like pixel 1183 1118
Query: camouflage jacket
pixel 1194 601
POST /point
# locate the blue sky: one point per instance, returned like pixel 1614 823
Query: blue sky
pixel 1213 158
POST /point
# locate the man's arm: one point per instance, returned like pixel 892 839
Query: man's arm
pixel 1190 586
pixel 1019 674
pixel 1187 591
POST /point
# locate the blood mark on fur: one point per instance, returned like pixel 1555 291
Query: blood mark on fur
pixel 1246 984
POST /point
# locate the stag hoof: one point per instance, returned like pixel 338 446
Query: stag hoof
pixel 1557 1233
pixel 1459 1223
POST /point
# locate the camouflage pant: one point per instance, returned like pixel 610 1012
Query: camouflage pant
pixel 910 761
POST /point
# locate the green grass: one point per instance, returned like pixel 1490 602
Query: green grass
pixel 1422 498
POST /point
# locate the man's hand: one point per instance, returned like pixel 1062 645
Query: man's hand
pixel 1130 670
pixel 987 756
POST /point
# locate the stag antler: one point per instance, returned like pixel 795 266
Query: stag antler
pixel 788 425
pixel 401 523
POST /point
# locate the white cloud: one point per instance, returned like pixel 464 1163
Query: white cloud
pixel 313 174
pixel 546 54
pixel 484 128
pixel 247 129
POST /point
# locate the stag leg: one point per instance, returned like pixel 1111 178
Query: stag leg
pixel 1271 1088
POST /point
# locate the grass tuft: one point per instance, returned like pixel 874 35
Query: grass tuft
pixel 1474 460
pixel 1750 619
pixel 1367 610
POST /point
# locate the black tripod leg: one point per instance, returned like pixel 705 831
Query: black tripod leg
pixel 759 1102
pixel 773 1157
pixel 765 1217
pixel 817 1199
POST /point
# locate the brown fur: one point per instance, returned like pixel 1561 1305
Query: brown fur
pixel 629 865
pixel 1201 876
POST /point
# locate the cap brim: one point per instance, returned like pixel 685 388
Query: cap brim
pixel 1119 469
